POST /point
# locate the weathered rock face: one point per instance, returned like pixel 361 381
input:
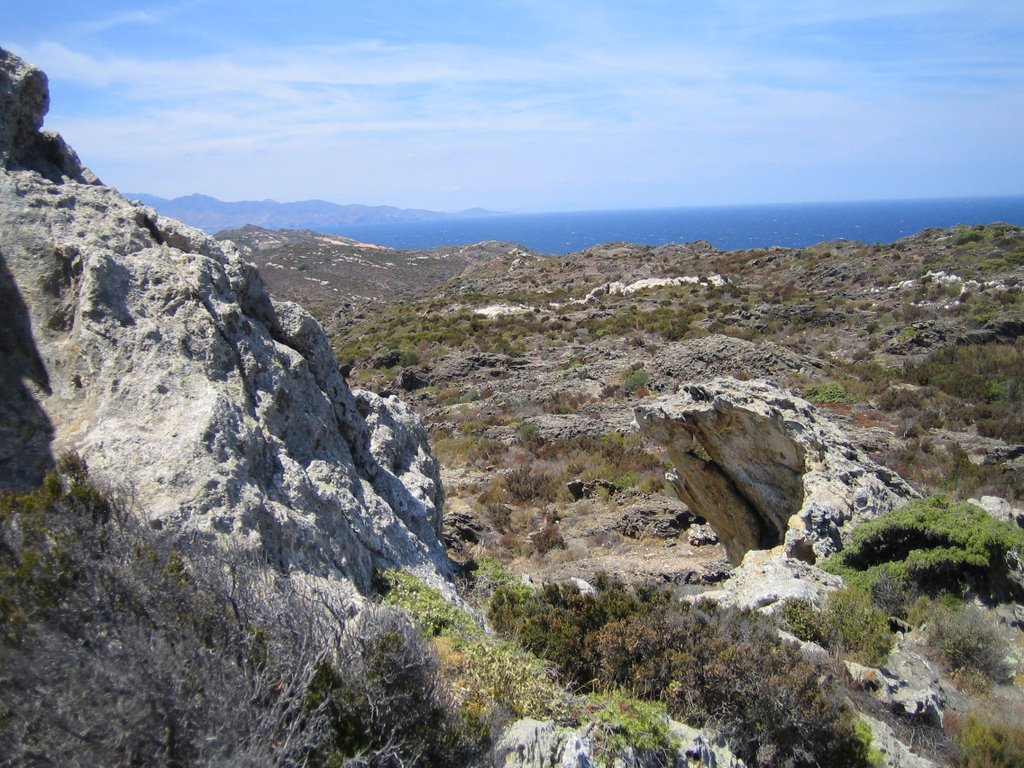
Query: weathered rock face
pixel 543 744
pixel 764 468
pixel 24 101
pixel 156 353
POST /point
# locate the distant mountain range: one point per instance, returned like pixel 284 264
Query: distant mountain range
pixel 213 215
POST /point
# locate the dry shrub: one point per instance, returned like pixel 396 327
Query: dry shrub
pixel 530 482
pixel 117 648
pixel 988 739
pixel 549 537
pixel 970 643
pixel 711 666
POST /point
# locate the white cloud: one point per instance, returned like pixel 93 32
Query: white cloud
pixel 726 96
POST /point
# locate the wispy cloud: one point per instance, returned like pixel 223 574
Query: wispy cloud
pixel 126 18
pixel 599 100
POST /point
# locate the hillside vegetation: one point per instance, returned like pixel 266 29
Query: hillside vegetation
pixel 531 363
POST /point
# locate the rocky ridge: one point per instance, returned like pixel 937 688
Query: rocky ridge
pixel 330 274
pixel 156 353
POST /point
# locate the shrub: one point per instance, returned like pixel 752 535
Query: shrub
pixel 874 756
pixel 493 675
pixel 728 668
pixel 857 627
pixel 385 699
pixel 118 649
pixel 988 741
pixel 408 358
pixel 804 620
pixel 970 643
pixel 848 623
pixel 500 674
pixel 710 666
pixel 622 723
pixel 636 381
pixel 979 375
pixel 435 615
pixel 528 434
pixel 487 573
pixel 933 545
pixel 547 538
pixel 528 482
pixel 965 236
pixel 891 595
pixel 557 622
pixel 830 393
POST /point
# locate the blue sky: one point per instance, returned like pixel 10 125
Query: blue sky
pixel 537 105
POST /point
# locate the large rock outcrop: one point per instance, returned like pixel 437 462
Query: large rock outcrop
pixel 156 353
pixel 764 468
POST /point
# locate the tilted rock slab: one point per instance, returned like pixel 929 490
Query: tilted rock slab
pixel 765 468
pixel 156 353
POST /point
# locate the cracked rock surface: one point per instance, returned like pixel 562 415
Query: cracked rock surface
pixel 157 354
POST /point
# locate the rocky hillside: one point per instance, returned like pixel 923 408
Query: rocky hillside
pixel 324 272
pixel 533 365
pixel 156 354
pixel 661 415
pixel 685 489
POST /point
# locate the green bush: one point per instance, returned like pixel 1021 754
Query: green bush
pixel 857 626
pixel 965 236
pixel 495 674
pixel 500 674
pixel 875 758
pixel 848 623
pixel 804 620
pixel 933 545
pixel 528 434
pixel 487 573
pixel 435 615
pixel 988 741
pixel 557 622
pixel 983 376
pixel 622 723
pixel 830 393
pixel 636 381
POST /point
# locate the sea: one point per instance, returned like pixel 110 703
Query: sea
pixel 726 227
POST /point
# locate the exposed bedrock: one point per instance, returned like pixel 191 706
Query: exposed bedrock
pixel 766 468
pixel 156 353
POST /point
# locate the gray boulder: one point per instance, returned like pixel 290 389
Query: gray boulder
pixel 157 354
pixel 766 469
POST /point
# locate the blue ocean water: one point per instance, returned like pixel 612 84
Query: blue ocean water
pixel 725 227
